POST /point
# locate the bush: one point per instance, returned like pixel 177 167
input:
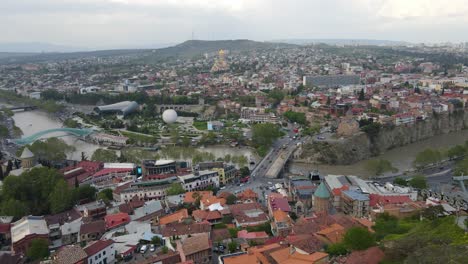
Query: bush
pixel 337 249
pixel 358 238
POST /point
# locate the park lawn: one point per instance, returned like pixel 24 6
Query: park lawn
pixel 200 125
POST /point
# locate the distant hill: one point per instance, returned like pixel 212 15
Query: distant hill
pixel 198 47
pixel 186 49
pixel 373 42
pixel 36 47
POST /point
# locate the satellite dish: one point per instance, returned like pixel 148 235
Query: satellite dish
pixel 169 116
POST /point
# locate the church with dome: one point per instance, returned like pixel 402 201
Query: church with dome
pixel 220 64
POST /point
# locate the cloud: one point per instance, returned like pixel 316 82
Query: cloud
pixel 122 23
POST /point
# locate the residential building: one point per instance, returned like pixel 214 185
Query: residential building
pixel 26 230
pixel 355 203
pixel 92 230
pixel 281 224
pixel 145 190
pixel 100 252
pixel 256 237
pixel 95 210
pixel 71 254
pixel 248 214
pixel 176 217
pixel 200 180
pixel 116 220
pixel 151 167
pixel 258 115
pixel 196 248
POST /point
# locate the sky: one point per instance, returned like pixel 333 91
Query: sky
pixel 139 23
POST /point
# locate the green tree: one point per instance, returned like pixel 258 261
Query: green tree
pixel 164 250
pixel 379 166
pixel 244 171
pixel 51 149
pixel 277 95
pixel 104 155
pixel 297 117
pixel 106 195
pixel 418 181
pixel 456 151
pixel 85 192
pixel 265 134
pixel 156 241
pixel 337 249
pixel 175 188
pixel 462 167
pixel 231 199
pixel 232 246
pixel 358 238
pixel 69 122
pixel 4 131
pixel 38 250
pixel 400 181
pixel 61 198
pixel 233 232
pixel 362 95
pixel 427 157
pixel 14 208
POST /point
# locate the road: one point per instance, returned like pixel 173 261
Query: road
pixel 262 168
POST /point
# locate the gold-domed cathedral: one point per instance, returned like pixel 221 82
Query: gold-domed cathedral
pixel 220 64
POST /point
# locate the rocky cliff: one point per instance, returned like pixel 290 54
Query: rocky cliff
pixel 362 146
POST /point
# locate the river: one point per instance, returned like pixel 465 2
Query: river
pixel 401 158
pixel 32 122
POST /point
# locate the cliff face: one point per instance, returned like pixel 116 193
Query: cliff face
pixel 360 146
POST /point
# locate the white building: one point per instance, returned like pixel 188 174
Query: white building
pixel 200 180
pixel 101 252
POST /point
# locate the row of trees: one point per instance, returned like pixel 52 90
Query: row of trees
pixel 49 150
pixel 431 156
pixel 40 191
pixel 263 136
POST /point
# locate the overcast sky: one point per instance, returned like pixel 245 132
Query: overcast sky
pixel 127 23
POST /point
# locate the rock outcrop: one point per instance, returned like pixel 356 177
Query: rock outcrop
pixel 362 146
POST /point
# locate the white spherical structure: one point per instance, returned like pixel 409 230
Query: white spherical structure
pixel 169 116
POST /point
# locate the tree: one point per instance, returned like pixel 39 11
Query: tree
pixel 427 157
pixel 244 171
pixel 231 199
pixel 61 198
pixel 362 95
pixel 232 246
pixel 38 250
pixel 51 149
pixel 418 181
pixel 14 208
pixel 379 166
pixel 433 212
pixel 85 192
pixel 462 167
pixel 164 250
pixel 104 155
pixel 456 151
pixel 265 134
pixel 156 241
pixel 106 195
pixel 227 158
pixel 233 232
pixel 175 188
pixel 69 122
pixel 400 181
pixel 4 131
pixel 296 117
pixel 358 238
pixel 337 249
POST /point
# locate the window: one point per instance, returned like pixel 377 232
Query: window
pixel 104 253
pixel 95 258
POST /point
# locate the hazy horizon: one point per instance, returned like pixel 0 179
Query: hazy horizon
pixel 110 24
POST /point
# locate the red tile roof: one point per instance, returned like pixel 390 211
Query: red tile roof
pixel 371 255
pixel 111 170
pixel 98 246
pixel 384 200
pixel 115 220
pixel 251 235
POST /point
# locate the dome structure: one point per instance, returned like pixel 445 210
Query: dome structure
pixel 169 116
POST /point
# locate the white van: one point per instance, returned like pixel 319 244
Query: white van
pixel 143 249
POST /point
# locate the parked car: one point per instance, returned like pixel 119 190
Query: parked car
pixel 143 249
pixel 152 248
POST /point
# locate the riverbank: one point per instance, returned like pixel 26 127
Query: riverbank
pixel 400 157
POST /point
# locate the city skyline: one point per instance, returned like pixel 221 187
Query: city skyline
pixel 108 24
